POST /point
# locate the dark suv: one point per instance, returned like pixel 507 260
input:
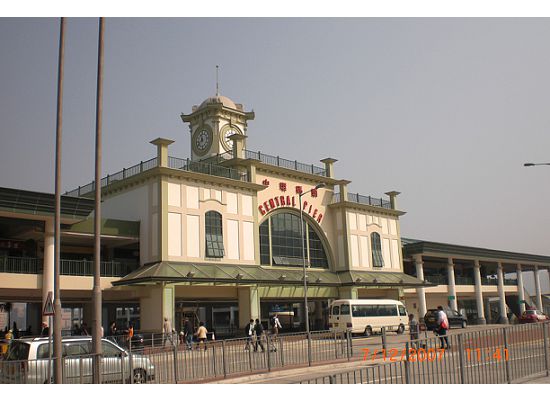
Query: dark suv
pixel 455 318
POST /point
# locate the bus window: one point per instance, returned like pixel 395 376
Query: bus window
pixel 336 310
pixel 402 311
pixel 344 309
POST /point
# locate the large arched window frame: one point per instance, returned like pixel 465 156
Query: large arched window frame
pixel 376 245
pixel 213 230
pixel 280 241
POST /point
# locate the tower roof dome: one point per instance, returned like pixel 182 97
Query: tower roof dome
pixel 223 100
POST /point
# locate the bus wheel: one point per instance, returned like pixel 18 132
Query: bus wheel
pixel 368 331
pixel 401 329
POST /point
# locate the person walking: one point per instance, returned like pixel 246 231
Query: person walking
pixel 259 330
pixel 413 331
pixel 275 326
pixel 201 335
pixel 188 332
pixel 249 332
pixel 167 331
pixel 442 326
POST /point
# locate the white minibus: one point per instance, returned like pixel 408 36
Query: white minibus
pixel 367 316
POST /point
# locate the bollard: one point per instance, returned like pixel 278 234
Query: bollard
pixel 507 364
pixel 383 338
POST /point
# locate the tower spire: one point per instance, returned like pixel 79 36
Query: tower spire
pixel 217 81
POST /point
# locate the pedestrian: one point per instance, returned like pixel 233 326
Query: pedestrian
pixel 259 330
pixel 201 335
pixel 84 329
pixel 167 331
pixel 188 332
pixel 112 329
pixel 45 330
pixel 275 325
pixel 249 333
pixel 442 326
pixel 413 331
pixel 76 330
pixel 130 334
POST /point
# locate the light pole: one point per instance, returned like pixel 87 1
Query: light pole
pixel 306 308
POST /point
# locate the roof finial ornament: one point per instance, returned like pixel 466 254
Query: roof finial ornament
pixel 217 81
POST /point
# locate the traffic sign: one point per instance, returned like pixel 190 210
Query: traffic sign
pixel 48 307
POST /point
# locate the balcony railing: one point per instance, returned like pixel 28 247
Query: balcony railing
pixel 284 163
pixel 25 265
pixel 464 280
pixel 368 200
pixel 439 279
pixel 20 265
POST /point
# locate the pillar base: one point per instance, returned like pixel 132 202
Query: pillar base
pixel 481 321
pixel 503 320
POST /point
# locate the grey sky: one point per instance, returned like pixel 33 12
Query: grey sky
pixel 444 110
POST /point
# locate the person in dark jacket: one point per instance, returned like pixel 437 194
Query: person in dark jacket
pixel 188 332
pixel 259 330
pixel 249 332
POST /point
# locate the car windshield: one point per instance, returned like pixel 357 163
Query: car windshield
pixel 18 351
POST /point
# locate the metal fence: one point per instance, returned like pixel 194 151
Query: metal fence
pixel 490 356
pixel 28 265
pixel 495 355
pixel 367 200
pixel 284 163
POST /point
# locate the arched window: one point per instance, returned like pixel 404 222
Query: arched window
pixel 280 242
pixel 214 234
pixel 377 259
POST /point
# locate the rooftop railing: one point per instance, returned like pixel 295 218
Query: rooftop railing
pixel 368 200
pixel 284 163
pixel 173 162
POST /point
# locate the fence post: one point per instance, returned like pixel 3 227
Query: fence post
pixel 175 362
pixel 122 367
pixel 507 365
pixel 308 347
pixel 461 357
pixel 268 352
pixel 131 361
pixel 407 364
pixel 349 344
pixel 281 341
pixel 331 379
pixel 545 342
pixel 223 359
pixel 214 357
pixel 384 338
pixel 335 346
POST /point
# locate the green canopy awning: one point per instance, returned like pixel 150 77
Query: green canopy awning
pixel 174 272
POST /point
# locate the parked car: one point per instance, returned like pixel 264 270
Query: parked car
pixel 455 318
pixel 530 316
pixel 27 362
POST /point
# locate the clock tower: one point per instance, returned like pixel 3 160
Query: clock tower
pixel 212 123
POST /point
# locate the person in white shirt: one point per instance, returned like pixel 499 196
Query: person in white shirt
pixel 442 326
pixel 276 325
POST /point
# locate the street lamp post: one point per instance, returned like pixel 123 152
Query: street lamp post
pixel 306 308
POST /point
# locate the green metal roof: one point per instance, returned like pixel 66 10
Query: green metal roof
pixel 414 246
pixel 37 203
pixel 109 227
pixel 246 274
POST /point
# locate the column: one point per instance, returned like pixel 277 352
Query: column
pixel 48 268
pixel 318 325
pixel 249 304
pixel 479 294
pixel 521 295
pixel 452 287
pixel 501 296
pixel 156 304
pixel 420 291
pixel 538 297
pixel 348 292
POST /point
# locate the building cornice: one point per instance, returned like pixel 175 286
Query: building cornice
pixel 365 207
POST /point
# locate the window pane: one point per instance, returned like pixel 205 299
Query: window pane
pixel 344 309
pixel 214 234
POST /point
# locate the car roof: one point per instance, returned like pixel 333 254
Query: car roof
pixel 46 339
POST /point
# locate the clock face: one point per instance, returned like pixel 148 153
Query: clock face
pixel 226 134
pixel 203 141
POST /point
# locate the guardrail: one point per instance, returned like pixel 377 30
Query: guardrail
pixel 367 200
pixel 284 163
pixel 26 265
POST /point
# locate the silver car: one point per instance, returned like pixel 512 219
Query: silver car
pixel 27 362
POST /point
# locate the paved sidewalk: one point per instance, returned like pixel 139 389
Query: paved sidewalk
pixel 537 380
